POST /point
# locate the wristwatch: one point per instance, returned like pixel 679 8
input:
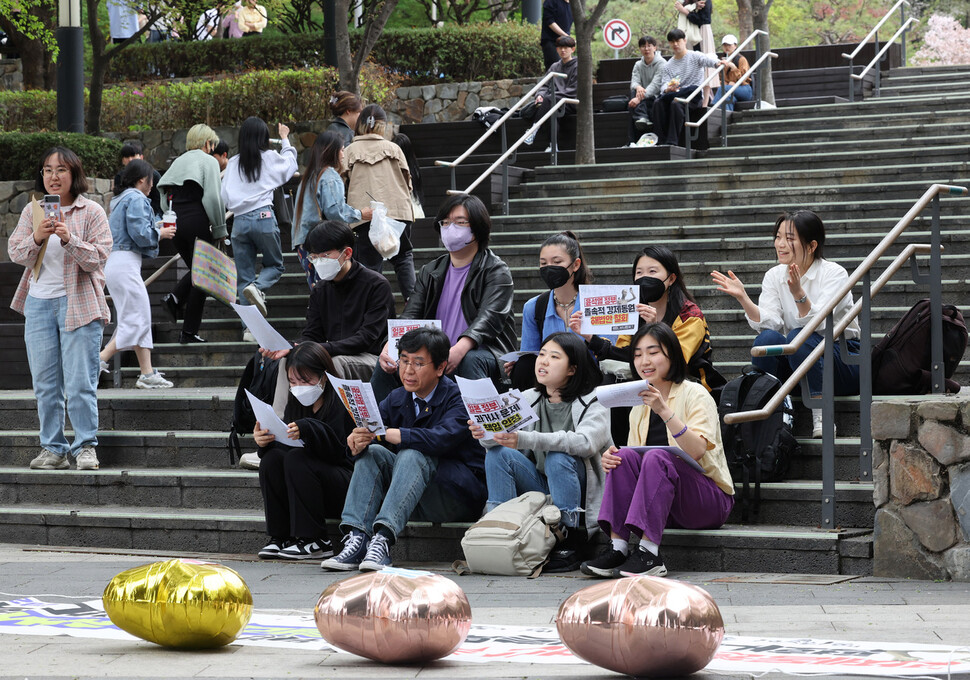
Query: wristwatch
pixel 803 298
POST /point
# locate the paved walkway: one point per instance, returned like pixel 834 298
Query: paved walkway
pixel 869 609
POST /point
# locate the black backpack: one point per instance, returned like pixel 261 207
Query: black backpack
pixel 616 103
pixel 259 377
pixel 901 360
pixel 759 450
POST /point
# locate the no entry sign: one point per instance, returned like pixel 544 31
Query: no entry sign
pixel 616 33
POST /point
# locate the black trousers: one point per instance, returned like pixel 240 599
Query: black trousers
pixel 192 223
pixel 300 491
pixel 549 54
pixel 668 115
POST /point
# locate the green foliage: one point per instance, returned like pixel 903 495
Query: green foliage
pixel 24 17
pixel 20 153
pixel 272 95
pixel 826 22
pixel 418 56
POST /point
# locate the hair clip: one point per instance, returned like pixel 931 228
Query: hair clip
pixel 333 99
pixel 370 122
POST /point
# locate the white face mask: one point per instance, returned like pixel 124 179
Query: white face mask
pixel 306 394
pixel 327 268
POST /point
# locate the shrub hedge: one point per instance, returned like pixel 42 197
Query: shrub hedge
pixel 20 153
pixel 272 95
pixel 418 56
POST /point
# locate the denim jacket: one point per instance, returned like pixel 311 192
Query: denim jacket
pixel 132 223
pixel 332 206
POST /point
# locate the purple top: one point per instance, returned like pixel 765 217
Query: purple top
pixel 453 322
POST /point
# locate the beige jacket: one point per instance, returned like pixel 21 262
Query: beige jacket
pixel 377 168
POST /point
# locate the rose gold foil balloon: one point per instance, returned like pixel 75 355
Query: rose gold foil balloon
pixel 395 615
pixel 180 603
pixel 643 625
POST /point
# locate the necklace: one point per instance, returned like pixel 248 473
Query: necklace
pixel 567 305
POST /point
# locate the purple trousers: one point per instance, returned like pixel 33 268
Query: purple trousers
pixel 648 492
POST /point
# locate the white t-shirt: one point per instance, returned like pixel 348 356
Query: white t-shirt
pixel 50 281
pixel 122 18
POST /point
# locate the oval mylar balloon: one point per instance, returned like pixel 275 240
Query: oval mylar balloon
pixel 180 603
pixel 642 625
pixel 395 615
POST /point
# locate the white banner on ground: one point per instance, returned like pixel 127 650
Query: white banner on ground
pixel 608 310
pixel 525 644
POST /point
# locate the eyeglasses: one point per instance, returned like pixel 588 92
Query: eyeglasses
pixel 444 224
pixel 416 365
pixel 59 172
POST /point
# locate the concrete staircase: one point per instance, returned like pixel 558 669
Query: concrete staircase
pixel 166 484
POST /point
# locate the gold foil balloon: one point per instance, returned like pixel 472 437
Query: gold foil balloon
pixel 395 615
pixel 642 625
pixel 180 603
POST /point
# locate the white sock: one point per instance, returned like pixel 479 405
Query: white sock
pixel 621 545
pixel 649 546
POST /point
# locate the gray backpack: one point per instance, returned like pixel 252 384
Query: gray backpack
pixel 514 539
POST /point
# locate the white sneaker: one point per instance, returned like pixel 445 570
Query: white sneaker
pixel 105 368
pixel 87 459
pixel 817 424
pixel 154 381
pixel 256 297
pixel 48 460
pixel 302 549
pixel 548 149
pixel 249 461
pixel 530 139
pixel 248 336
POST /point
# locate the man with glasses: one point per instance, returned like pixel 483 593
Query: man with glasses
pixel 425 467
pixel 468 289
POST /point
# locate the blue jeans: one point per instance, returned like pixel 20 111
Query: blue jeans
pixel 846 375
pixel 742 94
pixel 508 474
pixel 387 489
pixel 253 235
pixel 478 363
pixel 63 362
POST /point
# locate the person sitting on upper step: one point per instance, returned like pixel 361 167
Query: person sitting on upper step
pixel 562 88
pixel 302 486
pixel 349 306
pixel 680 75
pixel 676 476
pixel 645 85
pixel 733 74
pixel 425 467
pixel 792 293
pixel 469 290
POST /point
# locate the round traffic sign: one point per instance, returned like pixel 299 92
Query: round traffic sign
pixel 617 33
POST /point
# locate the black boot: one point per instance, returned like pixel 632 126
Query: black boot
pixel 568 553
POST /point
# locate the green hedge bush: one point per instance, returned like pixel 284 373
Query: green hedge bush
pixel 20 153
pixel 272 95
pixel 418 56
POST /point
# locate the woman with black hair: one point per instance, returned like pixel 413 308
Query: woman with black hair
pixel 559 455
pixel 417 192
pixel 251 177
pixel 792 293
pixel 346 107
pixel 321 196
pixel 672 472
pixel 303 486
pixel 664 297
pixel 134 237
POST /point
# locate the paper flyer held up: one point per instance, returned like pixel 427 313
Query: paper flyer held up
pixel 495 413
pixel 267 336
pixel 398 327
pixel 268 420
pixel 622 394
pixel 360 401
pixel 608 310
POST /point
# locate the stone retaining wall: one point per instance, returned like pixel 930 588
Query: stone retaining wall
pixel 921 475
pixel 11 75
pixel 15 195
pixel 451 102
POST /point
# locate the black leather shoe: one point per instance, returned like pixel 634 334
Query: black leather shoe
pixel 187 338
pixel 171 307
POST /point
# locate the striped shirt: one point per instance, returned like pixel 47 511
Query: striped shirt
pixel 689 70
pixel 84 257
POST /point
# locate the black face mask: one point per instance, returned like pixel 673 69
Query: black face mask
pixel 554 275
pixel 651 288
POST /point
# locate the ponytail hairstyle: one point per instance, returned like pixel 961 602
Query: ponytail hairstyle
pixel 569 242
pixel 253 141
pixel 324 153
pixel 342 102
pixel 372 120
pixel 132 173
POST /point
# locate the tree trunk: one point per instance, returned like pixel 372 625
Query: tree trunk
pixel 345 65
pixel 759 15
pixel 349 64
pixel 585 25
pixel 745 24
pixel 37 62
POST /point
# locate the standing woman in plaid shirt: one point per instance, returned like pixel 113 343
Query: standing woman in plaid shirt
pixel 62 300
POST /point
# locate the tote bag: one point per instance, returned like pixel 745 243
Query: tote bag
pixel 214 272
pixel 692 31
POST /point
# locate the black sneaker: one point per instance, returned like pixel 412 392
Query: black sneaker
pixel 643 563
pixel 606 565
pixel 563 560
pixel 305 549
pixel 272 549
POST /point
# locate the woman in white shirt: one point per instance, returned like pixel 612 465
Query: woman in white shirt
pixel 792 293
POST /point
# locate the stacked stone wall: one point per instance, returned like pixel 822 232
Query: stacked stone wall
pixel 450 102
pixel 11 75
pixel 921 474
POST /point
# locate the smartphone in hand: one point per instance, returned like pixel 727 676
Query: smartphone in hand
pixel 52 207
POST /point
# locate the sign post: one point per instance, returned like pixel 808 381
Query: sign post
pixel 616 34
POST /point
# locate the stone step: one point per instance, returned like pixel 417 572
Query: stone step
pixel 897 120
pixel 767 548
pixel 914 103
pixel 812 146
pixel 909 132
pixel 892 88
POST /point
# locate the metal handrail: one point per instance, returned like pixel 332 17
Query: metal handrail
pixel 885 47
pixel 722 100
pixel 501 159
pixel 862 311
pixel 720 68
pixel 874 35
